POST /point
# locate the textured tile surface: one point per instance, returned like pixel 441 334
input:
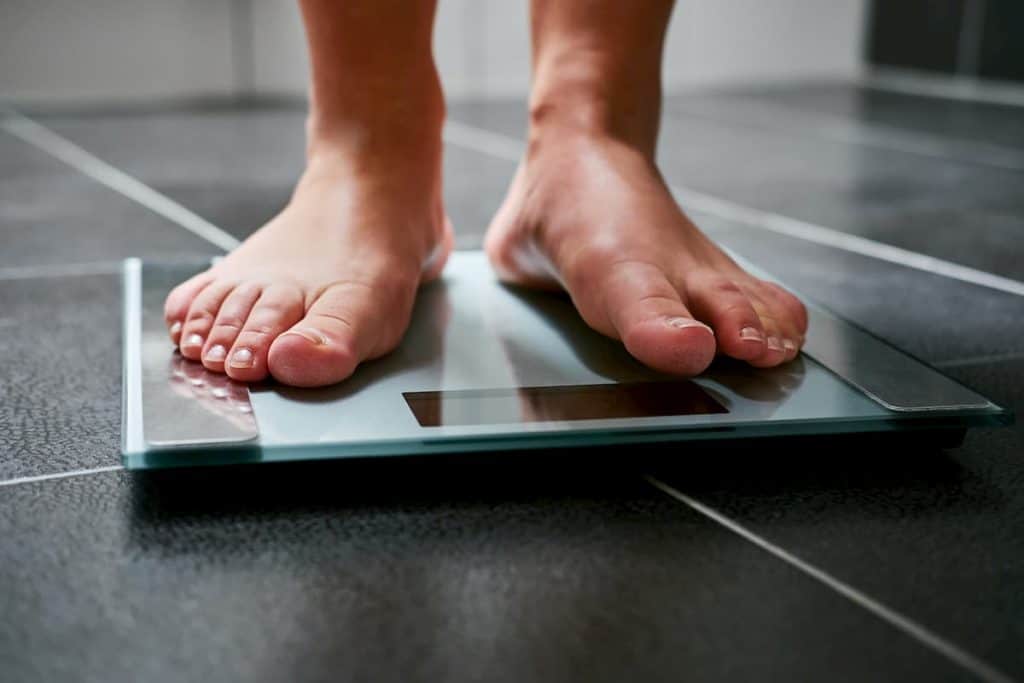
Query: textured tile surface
pixel 473 573
pixel 237 168
pixel 60 339
pixel 51 214
pixel 935 535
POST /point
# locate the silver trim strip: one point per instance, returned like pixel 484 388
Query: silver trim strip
pixel 131 375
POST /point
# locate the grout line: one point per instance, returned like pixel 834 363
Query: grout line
pixel 61 475
pixel 511 149
pixel 57 146
pixel 909 627
pixel 978 360
pixel 59 270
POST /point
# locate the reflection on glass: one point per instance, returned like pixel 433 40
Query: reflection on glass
pixel 216 393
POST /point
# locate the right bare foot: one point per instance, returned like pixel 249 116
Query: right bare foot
pixel 331 280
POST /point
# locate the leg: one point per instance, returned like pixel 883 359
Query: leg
pixel 331 280
pixel 589 210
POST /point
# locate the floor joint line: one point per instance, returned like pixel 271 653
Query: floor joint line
pixel 923 635
pixel 980 360
pixel 60 475
pixel 114 178
pixel 59 270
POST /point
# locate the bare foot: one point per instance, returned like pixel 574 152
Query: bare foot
pixel 331 280
pixel 590 212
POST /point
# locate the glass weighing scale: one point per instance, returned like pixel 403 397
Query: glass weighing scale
pixel 485 367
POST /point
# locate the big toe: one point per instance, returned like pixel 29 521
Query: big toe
pixel 347 324
pixel 648 315
pixel 673 342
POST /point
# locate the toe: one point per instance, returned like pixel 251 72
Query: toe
pixel 348 323
pixel 277 308
pixel 179 300
pixel 650 318
pixel 789 309
pixel 720 302
pixel 775 350
pixel 785 320
pixel 231 317
pixel 200 317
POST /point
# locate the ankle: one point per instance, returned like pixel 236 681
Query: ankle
pixel 561 134
pixel 399 118
pixel 581 99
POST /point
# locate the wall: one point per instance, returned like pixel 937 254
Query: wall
pixel 68 50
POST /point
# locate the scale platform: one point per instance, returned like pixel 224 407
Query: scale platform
pixel 485 367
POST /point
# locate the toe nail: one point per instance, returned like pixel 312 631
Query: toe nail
pixel 681 323
pixel 193 340
pixel 175 329
pixel 751 334
pixel 775 344
pixel 242 358
pixel 309 334
pixel 216 353
pixel 789 345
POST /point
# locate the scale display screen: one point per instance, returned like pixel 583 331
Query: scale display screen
pixel 560 403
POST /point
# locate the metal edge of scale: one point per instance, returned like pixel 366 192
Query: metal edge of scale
pixel 887 375
pixel 159 418
pixel 170 402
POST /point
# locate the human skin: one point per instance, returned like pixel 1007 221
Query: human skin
pixel 330 281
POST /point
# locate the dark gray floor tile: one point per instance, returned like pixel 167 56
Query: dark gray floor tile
pixel 52 214
pixel 958 211
pixel 410 572
pixel 935 535
pixel 61 381
pixel 771 117
pixel 945 118
pixel 236 168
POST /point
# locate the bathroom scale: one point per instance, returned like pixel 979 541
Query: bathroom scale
pixel 486 367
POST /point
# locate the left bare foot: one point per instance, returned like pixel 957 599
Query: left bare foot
pixel 591 213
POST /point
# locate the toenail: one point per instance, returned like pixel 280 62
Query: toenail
pixel 309 334
pixel 751 334
pixel 175 329
pixel 193 340
pixel 789 345
pixel 775 344
pixel 682 323
pixel 216 353
pixel 242 358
